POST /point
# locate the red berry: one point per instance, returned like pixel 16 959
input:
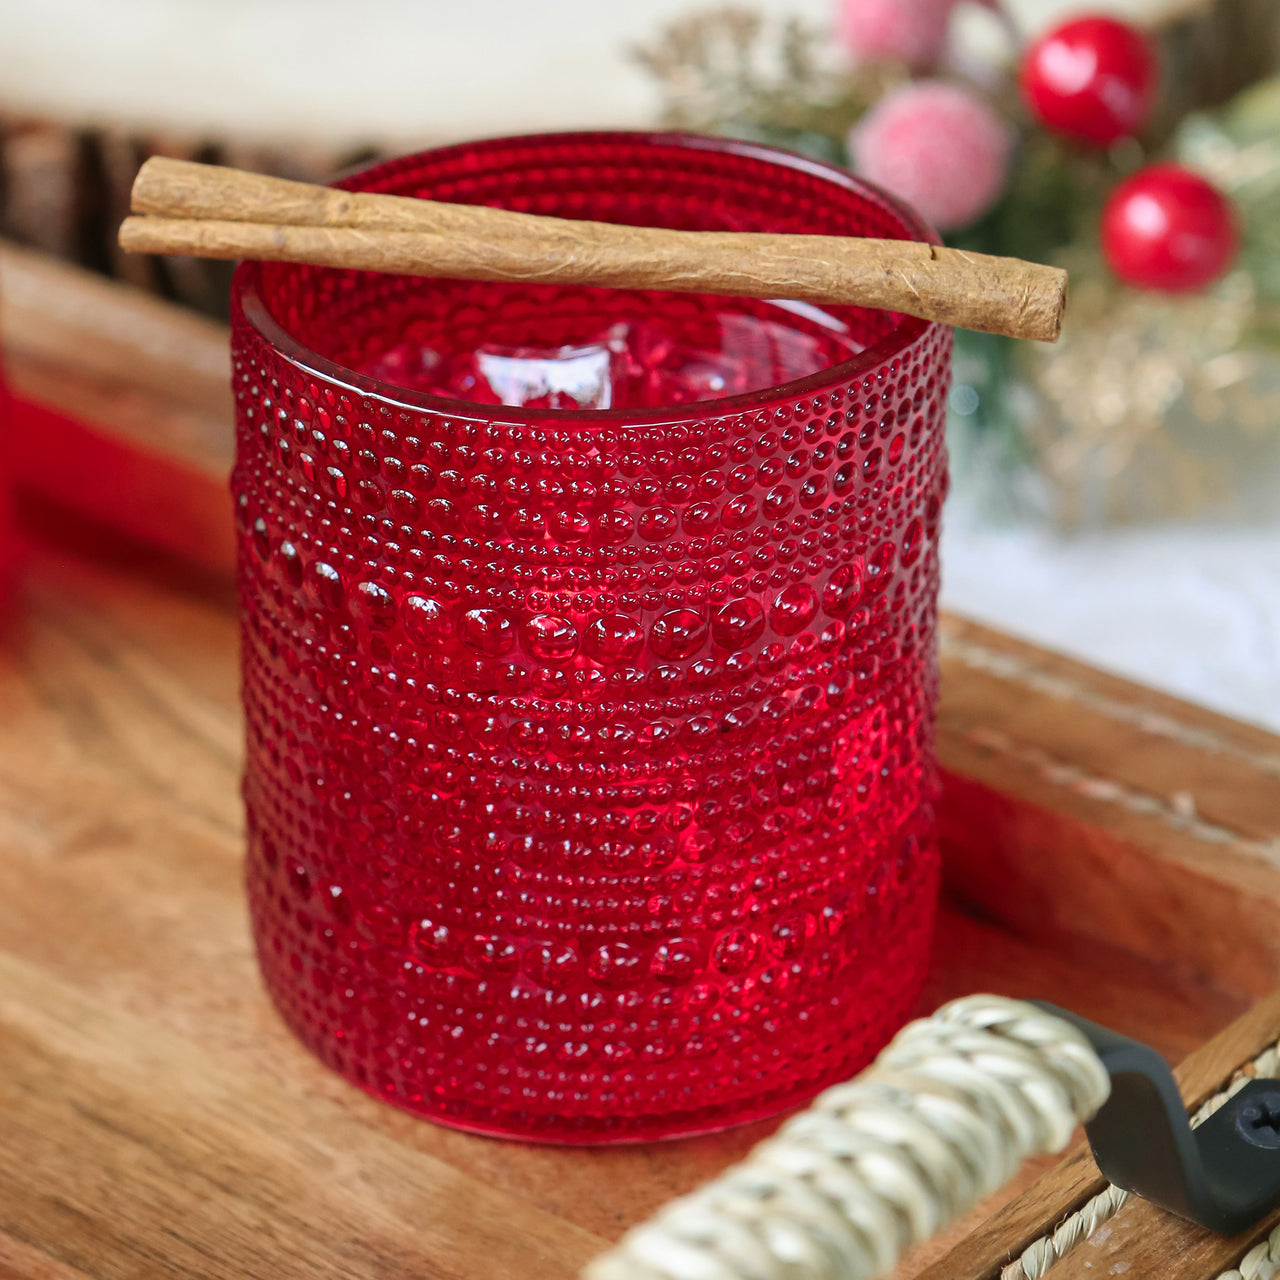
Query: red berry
pixel 1167 228
pixel 1092 79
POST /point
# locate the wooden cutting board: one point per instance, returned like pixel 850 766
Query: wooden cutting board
pixel 1107 848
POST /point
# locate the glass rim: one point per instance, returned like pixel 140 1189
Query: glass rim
pixel 247 296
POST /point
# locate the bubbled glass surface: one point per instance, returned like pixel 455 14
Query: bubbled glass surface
pixel 590 753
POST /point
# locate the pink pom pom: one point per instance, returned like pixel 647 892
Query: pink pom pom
pixel 910 31
pixel 937 147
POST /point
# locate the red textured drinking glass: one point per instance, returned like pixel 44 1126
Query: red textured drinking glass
pixel 589 658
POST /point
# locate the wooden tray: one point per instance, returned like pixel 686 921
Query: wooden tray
pixel 1107 848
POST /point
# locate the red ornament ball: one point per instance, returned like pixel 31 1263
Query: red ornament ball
pixel 1092 79
pixel 1167 228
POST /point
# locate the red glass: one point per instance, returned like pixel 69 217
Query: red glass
pixel 590 770
pixel 9 557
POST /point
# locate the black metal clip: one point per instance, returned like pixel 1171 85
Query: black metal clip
pixel 1224 1175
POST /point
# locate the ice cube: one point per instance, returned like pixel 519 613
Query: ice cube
pixel 630 364
pixel 567 378
pixel 408 364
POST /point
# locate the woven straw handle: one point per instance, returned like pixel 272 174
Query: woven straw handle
pixel 942 1118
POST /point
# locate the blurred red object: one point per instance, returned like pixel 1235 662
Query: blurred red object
pixel 117 407
pixel 1092 79
pixel 8 434
pixel 1167 228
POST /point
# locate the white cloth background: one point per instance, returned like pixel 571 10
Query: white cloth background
pixel 400 70
pixel 1192 610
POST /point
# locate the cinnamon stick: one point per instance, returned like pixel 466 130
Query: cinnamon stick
pixel 208 211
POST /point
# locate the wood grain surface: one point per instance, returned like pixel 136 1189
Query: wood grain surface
pixel 158 1118
pixel 1106 848
pixel 1142 1241
pixel 1072 780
